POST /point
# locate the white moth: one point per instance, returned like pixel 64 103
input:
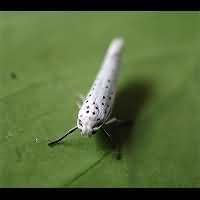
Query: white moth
pixel 97 105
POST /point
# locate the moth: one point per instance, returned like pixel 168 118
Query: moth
pixel 97 106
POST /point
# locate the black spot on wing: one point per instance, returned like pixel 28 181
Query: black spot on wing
pixel 80 122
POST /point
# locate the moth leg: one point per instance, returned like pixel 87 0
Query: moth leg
pixel 78 104
pixel 81 100
pixel 110 121
pixel 116 121
pixel 104 130
pixel 117 151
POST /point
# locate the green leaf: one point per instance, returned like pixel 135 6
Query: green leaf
pixel 47 59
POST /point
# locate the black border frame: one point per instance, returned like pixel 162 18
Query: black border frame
pixel 100 5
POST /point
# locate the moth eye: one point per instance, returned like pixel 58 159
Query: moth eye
pixel 93 113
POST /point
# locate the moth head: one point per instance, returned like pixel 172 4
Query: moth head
pixel 89 120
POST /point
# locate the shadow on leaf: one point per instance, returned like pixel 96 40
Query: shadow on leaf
pixel 129 102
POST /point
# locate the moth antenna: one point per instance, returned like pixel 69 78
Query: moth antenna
pixel 59 139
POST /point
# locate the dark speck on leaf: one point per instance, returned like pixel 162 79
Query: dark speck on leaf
pixel 13 75
pixel 87 111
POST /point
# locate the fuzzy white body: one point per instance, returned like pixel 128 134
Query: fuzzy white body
pixel 98 104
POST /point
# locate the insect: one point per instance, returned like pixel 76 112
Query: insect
pixel 97 106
